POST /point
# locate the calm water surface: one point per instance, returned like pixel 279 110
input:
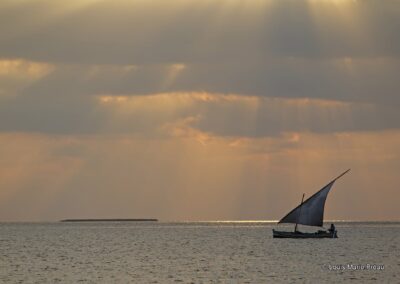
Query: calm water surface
pixel 206 252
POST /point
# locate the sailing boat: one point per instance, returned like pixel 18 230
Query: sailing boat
pixel 310 213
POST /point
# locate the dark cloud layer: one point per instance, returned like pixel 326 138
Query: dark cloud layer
pixel 367 81
pixel 144 32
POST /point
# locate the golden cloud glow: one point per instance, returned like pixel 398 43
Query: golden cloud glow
pixel 18 68
pixel 220 98
pixel 198 115
pixel 184 128
pixel 17 74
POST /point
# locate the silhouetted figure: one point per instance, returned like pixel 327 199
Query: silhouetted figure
pixel 332 229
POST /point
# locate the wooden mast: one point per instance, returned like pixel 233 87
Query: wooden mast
pixel 295 227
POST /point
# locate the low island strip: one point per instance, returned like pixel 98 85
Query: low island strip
pixel 109 220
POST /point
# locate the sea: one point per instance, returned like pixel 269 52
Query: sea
pixel 195 252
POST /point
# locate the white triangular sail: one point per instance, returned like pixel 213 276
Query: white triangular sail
pixel 311 211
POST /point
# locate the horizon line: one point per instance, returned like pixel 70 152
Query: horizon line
pixel 191 221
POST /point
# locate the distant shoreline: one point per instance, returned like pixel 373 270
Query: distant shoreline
pixel 109 220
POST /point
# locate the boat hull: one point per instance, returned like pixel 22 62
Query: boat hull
pixel 301 235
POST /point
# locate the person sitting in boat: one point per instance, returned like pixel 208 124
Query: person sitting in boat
pixel 332 229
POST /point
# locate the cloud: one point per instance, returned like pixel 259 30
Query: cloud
pixel 54 177
pixel 162 115
pixel 274 50
pixel 141 32
pixel 345 79
pixel 90 99
pixel 16 75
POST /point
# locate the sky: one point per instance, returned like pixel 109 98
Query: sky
pixel 198 109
